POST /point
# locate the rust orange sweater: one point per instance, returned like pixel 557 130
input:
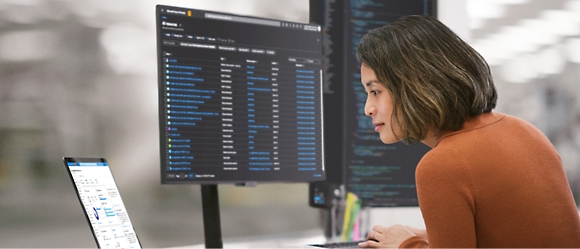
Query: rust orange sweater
pixel 497 182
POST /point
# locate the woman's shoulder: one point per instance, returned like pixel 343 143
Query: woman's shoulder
pixel 441 159
pixel 484 138
pixel 454 149
pixel 518 128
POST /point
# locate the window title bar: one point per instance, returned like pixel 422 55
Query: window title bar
pixel 234 18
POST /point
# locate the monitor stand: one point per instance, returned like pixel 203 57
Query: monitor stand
pixel 211 216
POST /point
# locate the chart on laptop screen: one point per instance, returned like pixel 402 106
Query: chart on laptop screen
pixel 103 205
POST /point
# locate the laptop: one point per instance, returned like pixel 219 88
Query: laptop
pixel 101 202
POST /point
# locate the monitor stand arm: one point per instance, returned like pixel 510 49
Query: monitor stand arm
pixel 211 216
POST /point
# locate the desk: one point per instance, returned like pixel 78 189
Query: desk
pixel 290 240
pixel 301 239
pixel 379 216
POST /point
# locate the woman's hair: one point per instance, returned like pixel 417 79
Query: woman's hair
pixel 436 80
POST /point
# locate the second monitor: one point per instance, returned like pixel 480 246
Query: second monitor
pixel 381 175
pixel 240 98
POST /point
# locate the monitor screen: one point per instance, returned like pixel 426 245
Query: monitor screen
pixel 240 98
pixel 381 175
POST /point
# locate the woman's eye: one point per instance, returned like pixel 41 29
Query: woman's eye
pixel 374 92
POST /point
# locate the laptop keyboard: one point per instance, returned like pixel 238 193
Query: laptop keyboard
pixel 342 244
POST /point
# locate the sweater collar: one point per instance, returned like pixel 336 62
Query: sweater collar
pixel 474 123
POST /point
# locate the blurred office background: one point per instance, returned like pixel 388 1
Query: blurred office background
pixel 79 78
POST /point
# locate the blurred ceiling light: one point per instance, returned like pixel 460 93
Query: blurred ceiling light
pixel 501 46
pixel 497 47
pixel 480 10
pixel 552 59
pixel 535 64
pixel 573 6
pixel 115 6
pixel 573 49
pixel 22 46
pixel 515 70
pixel 241 8
pixel 128 49
pixel 523 68
pixel 518 39
pixel 562 22
pixel 23 2
pixel 513 1
pixel 32 11
pixel 484 47
pixel 84 8
pixel 20 14
pixel 485 9
pixel 532 44
pixel 526 66
pixel 540 31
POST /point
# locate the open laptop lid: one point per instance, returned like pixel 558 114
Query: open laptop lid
pixel 101 202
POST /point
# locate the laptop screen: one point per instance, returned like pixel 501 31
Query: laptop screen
pixel 102 203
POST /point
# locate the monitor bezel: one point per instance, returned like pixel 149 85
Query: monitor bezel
pixel 250 182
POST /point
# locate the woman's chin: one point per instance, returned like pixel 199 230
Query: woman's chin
pixel 389 139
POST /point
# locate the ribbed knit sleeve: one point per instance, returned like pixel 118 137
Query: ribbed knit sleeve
pixel 415 242
pixel 447 200
pixel 496 183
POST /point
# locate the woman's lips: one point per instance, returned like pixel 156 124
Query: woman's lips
pixel 377 127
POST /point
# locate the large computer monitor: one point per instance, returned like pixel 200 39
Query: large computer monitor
pixel 381 175
pixel 240 101
pixel 240 98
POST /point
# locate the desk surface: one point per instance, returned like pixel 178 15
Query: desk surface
pixel 290 240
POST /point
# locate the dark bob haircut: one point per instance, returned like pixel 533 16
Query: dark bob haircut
pixel 436 80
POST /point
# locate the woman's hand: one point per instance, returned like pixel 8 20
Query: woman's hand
pixel 387 237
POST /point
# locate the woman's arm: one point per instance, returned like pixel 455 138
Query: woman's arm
pixel 418 231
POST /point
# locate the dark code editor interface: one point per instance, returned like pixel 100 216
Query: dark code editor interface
pixel 380 174
pixel 239 98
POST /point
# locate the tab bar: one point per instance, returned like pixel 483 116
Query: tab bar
pixel 196 45
pixel 241 19
pixel 227 48
pixel 258 51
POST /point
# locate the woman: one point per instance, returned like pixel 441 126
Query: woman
pixel 490 179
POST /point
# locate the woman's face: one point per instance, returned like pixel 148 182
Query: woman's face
pixel 379 104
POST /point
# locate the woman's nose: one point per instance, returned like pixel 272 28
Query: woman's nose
pixel 369 109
